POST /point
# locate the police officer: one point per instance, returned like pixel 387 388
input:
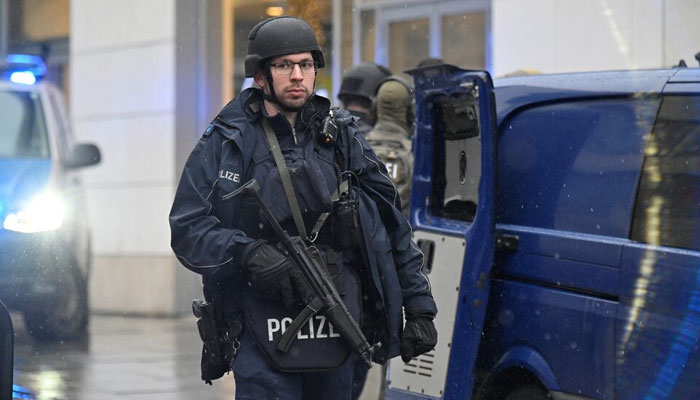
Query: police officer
pixel 283 129
pixel 391 136
pixel 357 91
pixel 390 139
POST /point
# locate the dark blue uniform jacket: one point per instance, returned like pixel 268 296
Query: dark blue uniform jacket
pixel 206 240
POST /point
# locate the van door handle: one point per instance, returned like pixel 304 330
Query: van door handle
pixel 507 242
pixel 428 249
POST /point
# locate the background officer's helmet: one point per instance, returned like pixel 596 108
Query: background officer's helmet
pixel 360 83
pixel 279 36
pixel 394 100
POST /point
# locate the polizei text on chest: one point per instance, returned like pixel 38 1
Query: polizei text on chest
pixel 317 327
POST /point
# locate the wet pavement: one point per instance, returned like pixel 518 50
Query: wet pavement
pixel 131 358
pixel 122 358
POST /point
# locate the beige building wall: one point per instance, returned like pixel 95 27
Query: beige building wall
pixel 124 98
pixel 589 35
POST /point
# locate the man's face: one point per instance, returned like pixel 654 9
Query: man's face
pixel 292 89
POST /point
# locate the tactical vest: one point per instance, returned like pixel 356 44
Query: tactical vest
pixel 312 170
pixel 394 149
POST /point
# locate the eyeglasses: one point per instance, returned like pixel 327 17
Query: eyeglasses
pixel 286 67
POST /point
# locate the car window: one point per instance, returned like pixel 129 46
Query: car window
pixel 23 129
pixel 668 204
pixel 573 166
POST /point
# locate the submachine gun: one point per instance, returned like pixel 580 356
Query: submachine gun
pixel 325 299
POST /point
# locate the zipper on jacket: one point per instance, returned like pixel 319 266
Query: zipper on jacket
pixel 294 135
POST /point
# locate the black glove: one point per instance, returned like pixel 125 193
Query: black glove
pixel 274 274
pixel 419 335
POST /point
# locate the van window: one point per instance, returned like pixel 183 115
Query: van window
pixel 456 157
pixel 668 204
pixel 573 166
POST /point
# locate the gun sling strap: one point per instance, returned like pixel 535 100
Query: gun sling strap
pixel 284 175
pixel 289 188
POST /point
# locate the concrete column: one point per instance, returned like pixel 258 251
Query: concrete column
pixel 139 91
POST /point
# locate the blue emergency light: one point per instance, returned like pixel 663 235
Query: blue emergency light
pixel 22 68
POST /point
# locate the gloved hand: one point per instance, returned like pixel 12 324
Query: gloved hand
pixel 274 274
pixel 419 335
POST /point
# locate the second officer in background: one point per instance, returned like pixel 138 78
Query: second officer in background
pixel 391 136
pixel 357 91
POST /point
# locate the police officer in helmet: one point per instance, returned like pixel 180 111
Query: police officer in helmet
pixel 283 129
pixel 390 137
pixel 357 91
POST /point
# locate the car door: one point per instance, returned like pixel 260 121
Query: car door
pixel 452 212
pixel 6 353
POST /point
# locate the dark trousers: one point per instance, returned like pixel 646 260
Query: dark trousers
pixel 359 378
pixel 255 379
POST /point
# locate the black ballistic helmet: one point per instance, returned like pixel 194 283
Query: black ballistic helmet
pixel 362 81
pixel 279 36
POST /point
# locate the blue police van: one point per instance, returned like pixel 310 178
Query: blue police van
pixel 560 219
pixel 44 235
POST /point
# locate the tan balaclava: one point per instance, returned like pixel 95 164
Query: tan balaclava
pixel 393 100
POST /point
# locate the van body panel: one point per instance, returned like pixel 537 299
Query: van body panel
pixel 685 75
pixel 554 158
pixel 682 88
pixel 527 356
pixel 578 277
pixel 658 347
pixel 595 286
pixel 603 250
pixel 574 333
pixel 427 373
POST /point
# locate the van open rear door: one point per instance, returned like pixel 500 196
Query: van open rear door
pixel 452 212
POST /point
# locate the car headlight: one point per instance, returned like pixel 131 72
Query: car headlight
pixel 43 213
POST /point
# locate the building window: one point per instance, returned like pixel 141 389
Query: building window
pixel 408 43
pixel 400 34
pixel 368 33
pixel 464 39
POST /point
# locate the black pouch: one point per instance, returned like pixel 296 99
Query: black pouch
pixel 345 223
pixel 317 346
pixel 219 340
pixel 209 370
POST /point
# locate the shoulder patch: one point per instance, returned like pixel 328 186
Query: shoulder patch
pixel 208 131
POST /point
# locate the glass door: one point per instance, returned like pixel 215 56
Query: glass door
pixel 406 33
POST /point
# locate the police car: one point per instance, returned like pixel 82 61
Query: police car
pixel 560 219
pixel 44 237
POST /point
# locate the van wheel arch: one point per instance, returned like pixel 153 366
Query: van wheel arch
pixel 515 383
